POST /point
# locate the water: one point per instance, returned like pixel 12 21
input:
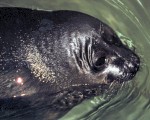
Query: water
pixel 130 19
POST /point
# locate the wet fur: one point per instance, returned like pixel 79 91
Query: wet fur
pixel 63 58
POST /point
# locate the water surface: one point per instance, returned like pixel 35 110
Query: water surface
pixel 131 20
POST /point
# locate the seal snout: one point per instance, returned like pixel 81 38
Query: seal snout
pixel 123 69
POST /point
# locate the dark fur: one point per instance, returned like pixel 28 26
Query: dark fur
pixel 63 58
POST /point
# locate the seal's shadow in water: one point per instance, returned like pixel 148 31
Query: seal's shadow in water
pixel 52 61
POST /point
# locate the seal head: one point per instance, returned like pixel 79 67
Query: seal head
pixel 97 53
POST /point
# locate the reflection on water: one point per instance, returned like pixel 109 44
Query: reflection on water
pixel 130 19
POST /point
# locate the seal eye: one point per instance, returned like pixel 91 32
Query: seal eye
pixel 100 61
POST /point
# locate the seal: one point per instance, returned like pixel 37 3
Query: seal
pixel 51 61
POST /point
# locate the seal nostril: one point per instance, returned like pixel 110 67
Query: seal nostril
pixel 134 69
pixel 135 64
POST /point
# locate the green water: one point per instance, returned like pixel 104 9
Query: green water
pixel 130 19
